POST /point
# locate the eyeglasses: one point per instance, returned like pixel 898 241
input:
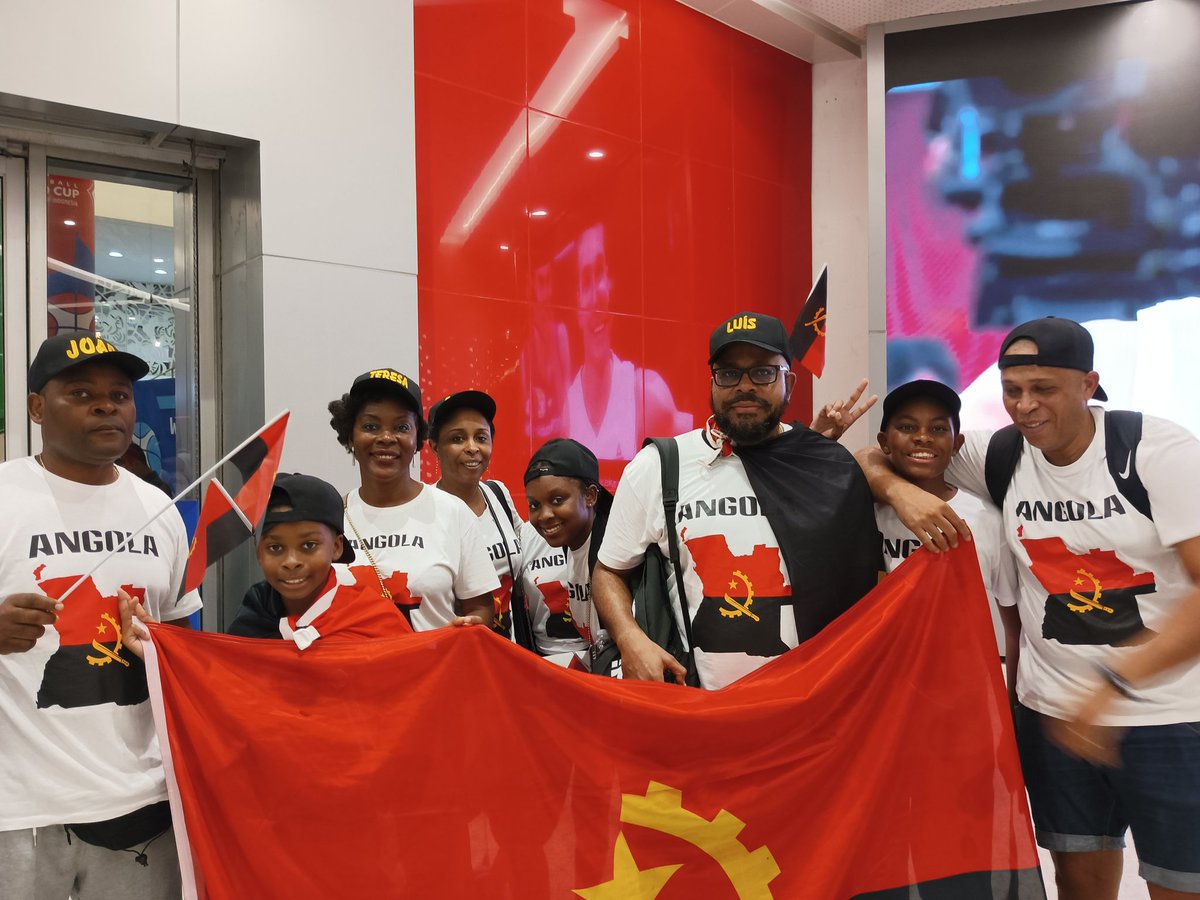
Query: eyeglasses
pixel 731 376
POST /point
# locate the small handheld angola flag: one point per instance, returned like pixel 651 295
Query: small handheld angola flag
pixel 258 461
pixel 808 334
pixel 222 527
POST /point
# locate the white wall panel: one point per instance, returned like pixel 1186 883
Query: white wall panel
pixel 839 204
pixel 327 324
pixel 118 56
pixel 327 88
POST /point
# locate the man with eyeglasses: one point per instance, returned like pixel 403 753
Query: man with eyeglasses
pixel 775 526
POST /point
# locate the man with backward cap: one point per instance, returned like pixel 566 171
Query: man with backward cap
pixel 1108 721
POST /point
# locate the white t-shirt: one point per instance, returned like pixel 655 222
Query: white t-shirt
pixel 996 563
pixel 616 435
pixel 1093 570
pixel 501 535
pixel 77 740
pixel 558 587
pixel 739 595
pixel 429 551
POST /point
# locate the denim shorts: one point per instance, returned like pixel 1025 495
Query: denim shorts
pixel 1154 793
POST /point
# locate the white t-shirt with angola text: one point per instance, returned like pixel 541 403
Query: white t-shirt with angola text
pixel 558 587
pixel 739 596
pixel 996 563
pixel 1094 571
pixel 429 551
pixel 77 739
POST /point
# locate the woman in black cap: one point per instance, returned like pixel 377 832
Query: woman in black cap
pixel 461 429
pixel 568 509
pixel 421 544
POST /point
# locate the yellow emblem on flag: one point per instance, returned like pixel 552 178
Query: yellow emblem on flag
pixel 107 654
pixel 661 809
pixel 818 322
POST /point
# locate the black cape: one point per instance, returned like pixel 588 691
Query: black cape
pixel 816 498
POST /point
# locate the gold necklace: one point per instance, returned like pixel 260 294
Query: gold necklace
pixel 387 595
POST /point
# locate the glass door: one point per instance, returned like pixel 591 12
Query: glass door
pixel 120 265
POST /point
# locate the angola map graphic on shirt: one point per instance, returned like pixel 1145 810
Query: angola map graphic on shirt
pixel 396 584
pixel 558 601
pixel 502 601
pixel 743 597
pixel 91 665
pixel 1092 596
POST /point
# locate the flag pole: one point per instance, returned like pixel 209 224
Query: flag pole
pixel 154 518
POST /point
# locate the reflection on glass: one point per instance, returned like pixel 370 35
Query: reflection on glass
pixel 112 245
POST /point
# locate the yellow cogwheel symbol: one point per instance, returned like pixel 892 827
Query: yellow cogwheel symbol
pixel 661 809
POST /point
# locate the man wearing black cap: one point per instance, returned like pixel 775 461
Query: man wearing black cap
pixel 81 780
pixel 1110 612
pixel 775 526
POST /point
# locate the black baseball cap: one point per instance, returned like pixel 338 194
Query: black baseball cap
pixel 568 458
pixel 478 401
pixel 750 328
pixel 389 379
pixel 66 351
pixel 1061 344
pixel 924 388
pixel 310 500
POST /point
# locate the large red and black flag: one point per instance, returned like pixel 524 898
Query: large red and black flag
pixel 91 665
pixel 808 334
pixel 221 528
pixel 258 461
pixel 877 760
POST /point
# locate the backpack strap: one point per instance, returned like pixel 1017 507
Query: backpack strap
pixel 1122 434
pixel 668 453
pixel 494 487
pixel 1003 452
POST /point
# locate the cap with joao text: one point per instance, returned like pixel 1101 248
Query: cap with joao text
pixel 1061 344
pixel 306 498
pixel 750 328
pixel 440 412
pixel 922 388
pixel 389 379
pixel 66 351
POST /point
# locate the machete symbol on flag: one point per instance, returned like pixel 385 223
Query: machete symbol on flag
pixel 875 760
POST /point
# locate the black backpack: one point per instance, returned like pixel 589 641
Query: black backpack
pixel 651 595
pixel 1122 434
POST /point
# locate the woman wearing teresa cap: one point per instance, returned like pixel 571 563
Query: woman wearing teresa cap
pixel 461 430
pixel 422 545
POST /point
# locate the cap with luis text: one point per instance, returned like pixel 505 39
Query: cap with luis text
pixel 306 498
pixel 752 328
pixel 1061 344
pixel 66 351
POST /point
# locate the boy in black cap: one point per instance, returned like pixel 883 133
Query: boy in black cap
pixel 1109 681
pixel 920 434
pixel 309 591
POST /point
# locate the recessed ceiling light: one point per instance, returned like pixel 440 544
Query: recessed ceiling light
pixel 539 213
pixel 160 271
pixel 159 259
pixel 68 221
pixel 595 154
pixel 115 254
pixel 504 246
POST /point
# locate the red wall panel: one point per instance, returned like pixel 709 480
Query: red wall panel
pixel 599 184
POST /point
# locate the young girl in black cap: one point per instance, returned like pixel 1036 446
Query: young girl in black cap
pixel 568 509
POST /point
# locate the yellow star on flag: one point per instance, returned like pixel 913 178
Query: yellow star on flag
pixel 628 881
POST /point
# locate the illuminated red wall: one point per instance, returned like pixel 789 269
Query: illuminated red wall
pixel 546 275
